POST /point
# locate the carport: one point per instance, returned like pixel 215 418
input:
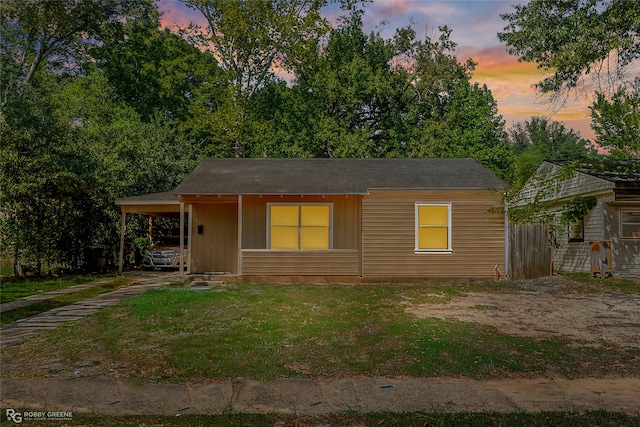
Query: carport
pixel 156 204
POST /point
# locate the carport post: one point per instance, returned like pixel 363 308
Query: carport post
pixel 181 239
pixel 123 228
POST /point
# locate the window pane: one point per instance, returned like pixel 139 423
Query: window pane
pixel 433 215
pixel 433 238
pixel 284 216
pixel 631 216
pixel 314 216
pixel 314 238
pixel 284 238
pixel 631 231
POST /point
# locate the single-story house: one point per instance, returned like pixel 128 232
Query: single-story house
pixel 613 222
pixel 364 218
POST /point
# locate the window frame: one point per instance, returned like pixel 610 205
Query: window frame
pixel 417 249
pixel 622 223
pixel 575 237
pixel 299 227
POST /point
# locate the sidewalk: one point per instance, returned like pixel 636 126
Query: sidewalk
pixel 315 397
pixel 14 333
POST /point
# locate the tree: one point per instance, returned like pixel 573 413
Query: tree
pixel 253 37
pixel 152 70
pixel 539 138
pixel 255 40
pixel 343 97
pixel 616 122
pixel 55 33
pixel 573 39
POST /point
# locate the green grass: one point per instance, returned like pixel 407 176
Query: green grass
pixel 305 331
pixel 11 289
pixel 62 300
pixel 410 419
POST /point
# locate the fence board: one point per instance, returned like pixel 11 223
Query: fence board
pixel 531 255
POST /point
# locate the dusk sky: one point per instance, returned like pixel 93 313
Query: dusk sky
pixel 475 24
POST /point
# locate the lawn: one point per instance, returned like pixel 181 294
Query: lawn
pixel 267 332
pixel 12 289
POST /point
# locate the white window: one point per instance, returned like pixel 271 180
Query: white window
pixel 630 224
pixel 433 227
pixel 299 226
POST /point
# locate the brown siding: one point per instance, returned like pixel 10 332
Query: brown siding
pixel 388 235
pixel 300 263
pixel 346 213
pixel 216 249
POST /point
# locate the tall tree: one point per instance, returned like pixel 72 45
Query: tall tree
pixel 255 40
pixel 572 39
pixel 253 37
pixel 154 70
pixel 55 33
pixel 539 138
pixel 345 95
pixel 616 122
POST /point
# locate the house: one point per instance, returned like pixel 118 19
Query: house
pixel 612 222
pixel 360 218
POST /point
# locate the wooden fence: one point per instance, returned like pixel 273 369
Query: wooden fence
pixel 530 254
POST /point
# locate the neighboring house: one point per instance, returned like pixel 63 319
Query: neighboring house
pixel 338 217
pixel 615 218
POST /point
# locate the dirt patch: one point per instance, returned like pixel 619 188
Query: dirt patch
pixel 547 308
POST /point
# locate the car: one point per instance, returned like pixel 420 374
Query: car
pixel 164 254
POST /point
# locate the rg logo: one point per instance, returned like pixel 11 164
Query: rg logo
pixel 14 416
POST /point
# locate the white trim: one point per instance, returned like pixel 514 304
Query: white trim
pixel 418 250
pixel 268 224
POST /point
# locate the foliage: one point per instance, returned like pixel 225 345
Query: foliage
pixel 154 71
pixel 252 37
pixel 616 122
pixel 539 139
pixel 575 38
pixel 54 34
pixel 579 39
pixel 577 208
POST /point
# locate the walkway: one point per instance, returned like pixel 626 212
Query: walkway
pixel 16 332
pixel 322 396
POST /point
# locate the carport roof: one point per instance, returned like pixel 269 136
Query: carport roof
pixel 334 176
pixel 150 204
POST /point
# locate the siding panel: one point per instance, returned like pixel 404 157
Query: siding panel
pixel 388 235
pixel 300 263
pixel 216 248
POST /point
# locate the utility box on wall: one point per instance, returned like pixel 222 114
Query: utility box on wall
pixel 601 261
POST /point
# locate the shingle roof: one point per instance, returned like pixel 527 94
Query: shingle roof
pixel 167 197
pixel 334 176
